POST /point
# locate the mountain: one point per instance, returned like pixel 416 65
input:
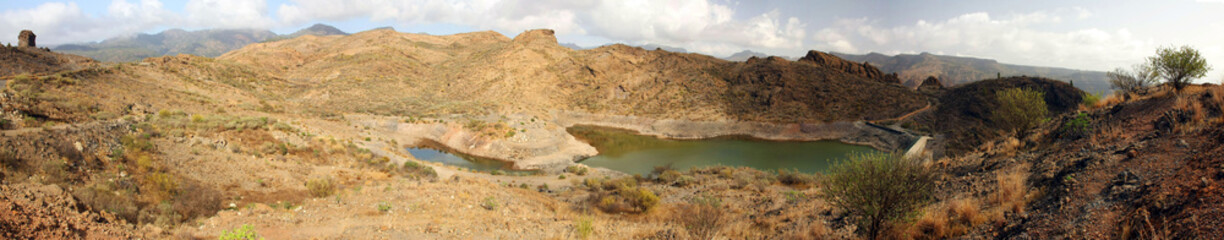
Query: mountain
pixel 573 46
pixel 318 29
pixel 208 43
pixel 663 47
pixel 952 70
pixel 488 71
pixel 744 55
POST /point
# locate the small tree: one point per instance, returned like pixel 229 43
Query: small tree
pixel 1140 77
pixel 879 189
pixel 1179 65
pixel 1020 109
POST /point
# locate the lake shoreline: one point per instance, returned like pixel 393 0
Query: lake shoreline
pixel 549 147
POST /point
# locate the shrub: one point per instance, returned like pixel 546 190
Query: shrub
pixel 1077 127
pixel 1020 109
pixel 794 177
pixel 584 227
pixel 577 170
pixel 1010 195
pixel 1179 65
pixel 321 187
pixel 245 232
pixel 1134 81
pixel 489 203
pixel 702 217
pixel 416 170
pixel 621 195
pixel 384 206
pixel 878 189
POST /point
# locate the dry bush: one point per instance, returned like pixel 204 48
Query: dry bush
pixel 703 217
pixel 794 177
pixel 321 187
pixel 620 195
pixel 1010 195
pixel 948 220
pixel 196 200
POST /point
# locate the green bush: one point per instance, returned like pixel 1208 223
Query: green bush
pixel 878 189
pixel 1077 127
pixel 245 232
pixel 384 206
pixel 1020 109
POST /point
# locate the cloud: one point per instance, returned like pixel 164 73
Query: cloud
pixel 697 24
pixel 1014 39
pixel 228 14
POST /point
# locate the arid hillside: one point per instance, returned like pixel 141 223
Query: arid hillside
pixel 485 72
pixel 305 138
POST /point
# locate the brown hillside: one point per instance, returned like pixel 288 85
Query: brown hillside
pixel 29 60
pixel 484 72
pixel 964 113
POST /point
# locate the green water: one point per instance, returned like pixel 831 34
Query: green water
pixel 634 154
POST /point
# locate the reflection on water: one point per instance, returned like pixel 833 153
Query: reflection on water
pixel 467 162
pixel 635 154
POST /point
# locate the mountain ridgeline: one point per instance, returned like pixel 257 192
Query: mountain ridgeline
pixel 208 43
pixel 913 69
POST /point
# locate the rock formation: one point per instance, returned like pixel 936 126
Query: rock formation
pixel 861 69
pixel 26 39
pixel 931 84
pixel 536 36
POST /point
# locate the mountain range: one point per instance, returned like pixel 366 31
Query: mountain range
pixel 953 70
pixel 208 43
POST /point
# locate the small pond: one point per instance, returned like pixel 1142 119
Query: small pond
pixel 636 154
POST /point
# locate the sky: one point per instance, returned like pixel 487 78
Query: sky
pixel 1078 34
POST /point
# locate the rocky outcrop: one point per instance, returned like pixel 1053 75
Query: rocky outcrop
pixel 860 69
pixel 26 39
pixel 537 36
pixel 931 84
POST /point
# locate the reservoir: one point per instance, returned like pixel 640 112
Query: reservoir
pixel 630 153
pixel 636 154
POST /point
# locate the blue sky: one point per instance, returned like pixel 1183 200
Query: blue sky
pixel 1082 34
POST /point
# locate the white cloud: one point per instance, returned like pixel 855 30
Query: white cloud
pixel 1015 39
pixel 697 24
pixel 228 14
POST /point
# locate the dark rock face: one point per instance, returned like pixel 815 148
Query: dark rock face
pixel 931 83
pixel 861 69
pixel 26 39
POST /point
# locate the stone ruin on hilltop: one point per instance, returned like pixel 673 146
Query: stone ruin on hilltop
pixel 26 39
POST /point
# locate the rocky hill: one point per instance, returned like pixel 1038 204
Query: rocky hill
pixel 485 72
pixel 208 43
pixel 951 70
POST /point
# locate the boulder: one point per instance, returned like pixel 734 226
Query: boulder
pixel 26 39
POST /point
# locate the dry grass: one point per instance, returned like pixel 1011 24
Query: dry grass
pixel 950 219
pixel 1011 192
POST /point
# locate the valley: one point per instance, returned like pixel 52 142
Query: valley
pixel 351 136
